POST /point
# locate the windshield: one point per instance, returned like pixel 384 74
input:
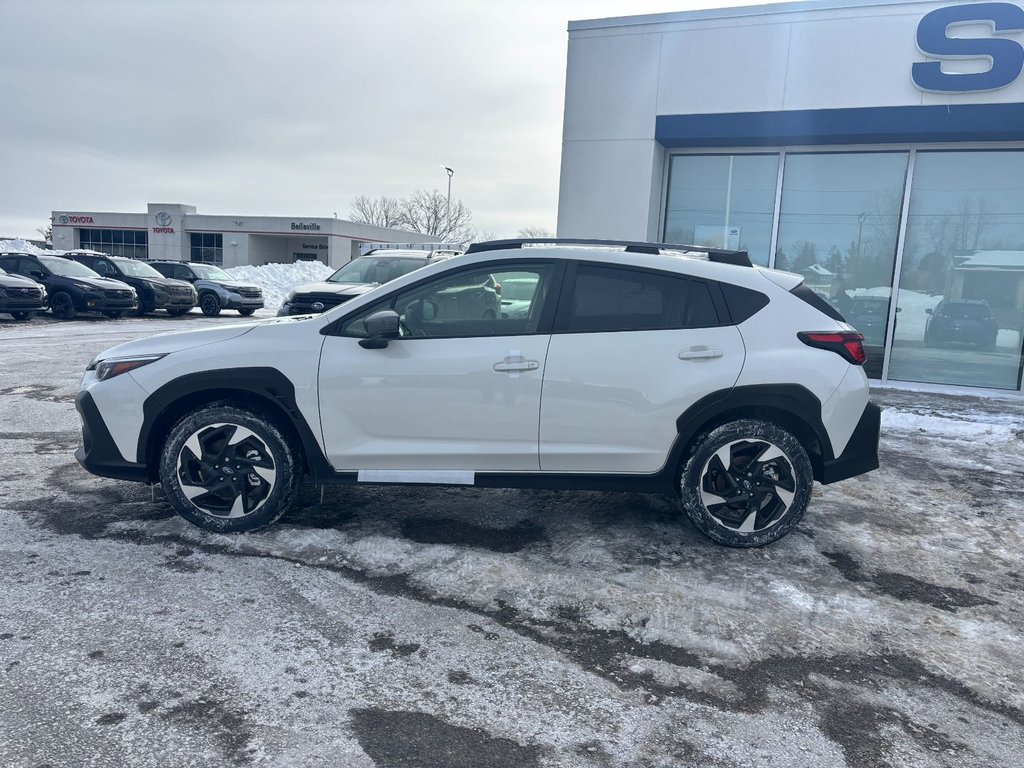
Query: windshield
pixel 210 272
pixel 968 311
pixel 368 269
pixel 67 267
pixel 134 268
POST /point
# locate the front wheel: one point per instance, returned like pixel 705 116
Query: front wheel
pixel 62 306
pixel 210 304
pixel 228 469
pixel 23 315
pixel 178 311
pixel 747 483
pixel 246 312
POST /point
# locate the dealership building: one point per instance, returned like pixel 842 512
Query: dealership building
pixel 875 147
pixel 175 231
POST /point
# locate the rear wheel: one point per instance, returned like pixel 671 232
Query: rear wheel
pixel 62 306
pixel 210 304
pixel 246 312
pixel 228 469
pixel 23 315
pixel 747 483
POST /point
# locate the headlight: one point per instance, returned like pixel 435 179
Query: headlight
pixel 115 366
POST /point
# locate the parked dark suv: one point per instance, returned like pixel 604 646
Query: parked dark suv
pixel 356 278
pixel 216 288
pixel 20 297
pixel 154 290
pixel 961 320
pixel 72 287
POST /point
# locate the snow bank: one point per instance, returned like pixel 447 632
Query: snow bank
pixel 277 279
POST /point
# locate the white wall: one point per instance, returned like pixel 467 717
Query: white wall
pixel 622 73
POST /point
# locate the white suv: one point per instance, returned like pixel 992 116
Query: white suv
pixel 635 367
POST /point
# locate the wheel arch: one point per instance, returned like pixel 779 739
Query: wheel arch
pixel 265 389
pixel 791 406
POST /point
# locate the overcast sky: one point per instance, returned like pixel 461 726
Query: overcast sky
pixel 286 108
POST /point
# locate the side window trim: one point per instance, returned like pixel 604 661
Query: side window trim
pixel 562 322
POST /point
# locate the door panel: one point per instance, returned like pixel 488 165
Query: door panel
pixel 433 404
pixel 611 400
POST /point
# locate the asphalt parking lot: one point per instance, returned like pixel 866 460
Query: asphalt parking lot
pixel 472 627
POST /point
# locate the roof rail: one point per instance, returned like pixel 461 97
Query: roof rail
pixel 717 255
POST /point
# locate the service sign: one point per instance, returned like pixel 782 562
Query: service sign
pixel 936 38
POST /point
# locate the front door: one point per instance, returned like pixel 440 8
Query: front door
pixel 458 392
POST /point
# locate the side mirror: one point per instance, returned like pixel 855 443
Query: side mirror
pixel 35 274
pixel 381 327
pixel 928 311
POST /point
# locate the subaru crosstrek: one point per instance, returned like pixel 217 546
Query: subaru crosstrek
pixel 639 367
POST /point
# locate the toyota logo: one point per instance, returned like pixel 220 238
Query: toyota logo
pixel 163 219
pixel 63 218
pixel 317 306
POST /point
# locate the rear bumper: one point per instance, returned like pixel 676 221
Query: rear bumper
pixel 861 454
pixel 98 453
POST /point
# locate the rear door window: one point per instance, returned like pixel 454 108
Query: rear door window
pixel 606 298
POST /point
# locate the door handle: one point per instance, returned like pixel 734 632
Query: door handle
pixel 700 353
pixel 516 363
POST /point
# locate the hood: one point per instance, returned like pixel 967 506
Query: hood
pixel 230 283
pixel 17 281
pixel 341 289
pixel 175 341
pixel 102 283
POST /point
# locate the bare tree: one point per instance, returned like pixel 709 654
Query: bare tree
pixel 46 232
pixel 423 212
pixel 427 213
pixel 535 232
pixel 380 211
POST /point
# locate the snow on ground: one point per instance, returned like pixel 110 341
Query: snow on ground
pixel 277 279
pixel 442 627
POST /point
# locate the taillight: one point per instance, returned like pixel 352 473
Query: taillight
pixel 847 344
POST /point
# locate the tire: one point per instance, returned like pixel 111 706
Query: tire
pixel 246 312
pixel 19 316
pixel 738 508
pixel 141 311
pixel 210 304
pixel 62 306
pixel 241 499
pixel 178 311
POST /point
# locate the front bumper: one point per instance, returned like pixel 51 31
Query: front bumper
pixel 242 303
pixel 98 453
pixel 861 454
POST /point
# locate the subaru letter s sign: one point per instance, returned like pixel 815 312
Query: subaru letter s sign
pixel 1006 55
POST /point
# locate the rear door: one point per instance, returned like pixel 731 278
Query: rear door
pixel 631 350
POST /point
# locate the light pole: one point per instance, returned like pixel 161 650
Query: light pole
pixel 450 173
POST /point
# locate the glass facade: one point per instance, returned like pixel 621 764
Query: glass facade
pixel 838 218
pixel 133 243
pixel 723 201
pixel 207 247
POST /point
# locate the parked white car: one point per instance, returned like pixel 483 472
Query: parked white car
pixel 635 367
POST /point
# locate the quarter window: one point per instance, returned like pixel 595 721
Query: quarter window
pixel 616 299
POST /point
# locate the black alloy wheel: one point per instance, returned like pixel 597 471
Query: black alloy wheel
pixel 62 306
pixel 210 304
